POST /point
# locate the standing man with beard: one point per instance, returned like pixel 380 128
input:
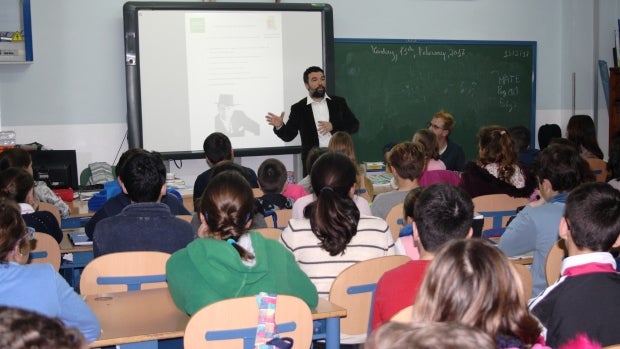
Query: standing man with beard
pixel 315 117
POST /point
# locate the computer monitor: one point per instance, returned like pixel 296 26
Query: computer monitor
pixel 57 168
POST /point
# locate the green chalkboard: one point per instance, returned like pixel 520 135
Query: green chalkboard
pixel 395 86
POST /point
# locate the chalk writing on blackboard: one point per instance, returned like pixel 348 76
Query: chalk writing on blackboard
pixel 395 86
pixel 412 52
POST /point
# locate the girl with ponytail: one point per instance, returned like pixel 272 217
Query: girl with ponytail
pixel 333 234
pixel 227 260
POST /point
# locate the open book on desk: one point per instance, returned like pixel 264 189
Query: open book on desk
pixel 79 238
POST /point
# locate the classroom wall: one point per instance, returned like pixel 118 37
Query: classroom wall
pixel 73 94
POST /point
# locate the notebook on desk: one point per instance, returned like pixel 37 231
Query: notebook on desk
pixel 79 238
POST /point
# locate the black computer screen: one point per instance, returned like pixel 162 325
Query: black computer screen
pixel 57 168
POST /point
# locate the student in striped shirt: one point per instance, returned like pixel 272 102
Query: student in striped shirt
pixel 333 234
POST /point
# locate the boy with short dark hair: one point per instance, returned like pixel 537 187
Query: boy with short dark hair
pixel 442 213
pixel 585 299
pixel 559 169
pixel 146 224
pixel 218 151
pixel 272 178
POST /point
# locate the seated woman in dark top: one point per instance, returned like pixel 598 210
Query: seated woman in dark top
pixel 19 185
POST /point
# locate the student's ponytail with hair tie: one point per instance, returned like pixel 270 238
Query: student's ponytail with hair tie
pixel 327 188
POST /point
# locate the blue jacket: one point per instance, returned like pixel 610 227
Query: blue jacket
pixel 147 226
pixel 534 229
pixel 116 204
pixel 40 288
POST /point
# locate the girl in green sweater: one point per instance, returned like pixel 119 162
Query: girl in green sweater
pixel 228 261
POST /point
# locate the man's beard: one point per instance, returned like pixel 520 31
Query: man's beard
pixel 318 93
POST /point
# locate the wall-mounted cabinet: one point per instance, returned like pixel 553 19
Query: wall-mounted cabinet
pixel 15 32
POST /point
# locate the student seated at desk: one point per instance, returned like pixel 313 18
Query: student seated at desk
pixel 333 234
pixel 497 169
pixel 218 152
pixel 227 260
pixel 116 204
pixel 343 143
pixel 585 299
pixel 146 224
pixel 19 185
pixel 407 162
pixel 559 169
pixel 272 181
pixel 441 213
pixel 37 287
pixel 473 283
pixel 18 157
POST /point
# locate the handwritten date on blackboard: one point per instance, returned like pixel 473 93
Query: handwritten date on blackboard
pixel 417 51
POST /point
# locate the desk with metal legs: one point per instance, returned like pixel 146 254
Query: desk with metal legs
pixel 139 319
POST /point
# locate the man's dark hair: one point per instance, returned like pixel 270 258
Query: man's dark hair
pixel 593 215
pixel 442 212
pixel 313 69
pixel 143 175
pixel 562 165
pixel 272 176
pixel 217 148
pixel 521 137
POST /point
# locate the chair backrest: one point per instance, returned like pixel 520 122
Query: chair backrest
pixel 44 206
pixel 269 233
pixel 497 209
pixel 232 323
pixel 279 219
pixel 394 220
pixel 185 217
pixel 553 264
pixel 598 168
pixel 526 279
pixel 354 290
pixel 124 271
pixel 404 315
pixel 46 250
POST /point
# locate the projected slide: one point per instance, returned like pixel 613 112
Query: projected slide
pixel 209 68
pixel 234 69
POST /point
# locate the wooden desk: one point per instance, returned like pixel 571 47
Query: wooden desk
pixel 73 260
pixel 150 315
pixel 79 208
pixel 326 318
pixel 525 260
pixel 139 316
pixel 66 246
pixel 382 187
